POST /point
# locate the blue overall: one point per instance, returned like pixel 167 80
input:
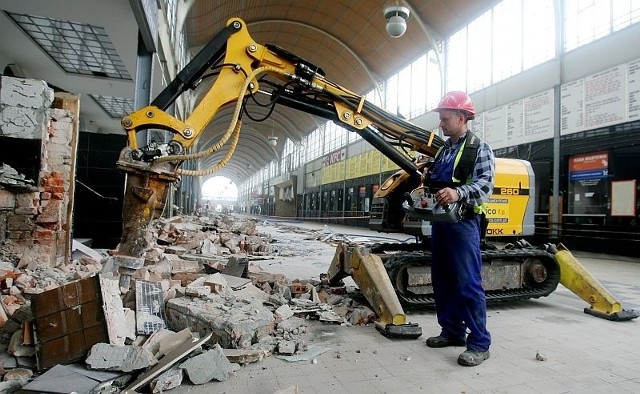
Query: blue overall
pixel 455 271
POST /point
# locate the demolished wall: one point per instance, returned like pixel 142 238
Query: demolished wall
pixel 33 215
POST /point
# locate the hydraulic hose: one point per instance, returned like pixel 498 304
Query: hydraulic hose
pixel 232 125
pixel 223 162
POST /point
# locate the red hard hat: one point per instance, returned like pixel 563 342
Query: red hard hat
pixel 457 101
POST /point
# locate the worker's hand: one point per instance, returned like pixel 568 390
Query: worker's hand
pixel 447 195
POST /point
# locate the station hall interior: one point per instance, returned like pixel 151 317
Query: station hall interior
pixel 555 85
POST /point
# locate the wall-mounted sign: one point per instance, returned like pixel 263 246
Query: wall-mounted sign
pixel 334 157
pixel 594 165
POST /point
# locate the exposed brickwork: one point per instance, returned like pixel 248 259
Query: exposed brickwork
pixel 36 218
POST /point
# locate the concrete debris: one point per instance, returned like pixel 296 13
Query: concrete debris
pixel 114 312
pixel 12 179
pixel 168 380
pixel 19 374
pixel 243 356
pixel 119 358
pixel 201 279
pixel 210 365
pixel 312 352
pixel 283 313
pixel 331 317
pixel 7 361
pixel 176 354
pixel 286 348
pixel 361 315
pixel 234 323
pixel 10 386
pixel 16 347
pixel 540 357
pixel 74 378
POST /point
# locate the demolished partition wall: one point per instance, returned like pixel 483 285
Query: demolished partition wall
pixel 36 214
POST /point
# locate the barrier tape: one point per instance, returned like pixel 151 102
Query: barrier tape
pixel 308 217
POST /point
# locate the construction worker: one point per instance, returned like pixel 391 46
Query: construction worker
pixel 463 171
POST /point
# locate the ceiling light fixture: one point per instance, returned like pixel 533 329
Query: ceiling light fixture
pixel 273 140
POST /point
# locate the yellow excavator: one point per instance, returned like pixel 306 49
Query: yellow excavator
pixel 389 275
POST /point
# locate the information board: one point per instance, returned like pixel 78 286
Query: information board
pixel 538 116
pixel 633 90
pixel 572 107
pixel 604 98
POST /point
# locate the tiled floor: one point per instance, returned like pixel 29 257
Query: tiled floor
pixel 584 354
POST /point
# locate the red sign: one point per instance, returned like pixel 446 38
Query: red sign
pixel 589 161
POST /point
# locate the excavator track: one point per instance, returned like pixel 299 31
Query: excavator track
pixel 540 272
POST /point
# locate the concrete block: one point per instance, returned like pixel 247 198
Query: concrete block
pixel 216 282
pixel 119 358
pixel 19 374
pixel 234 323
pixel 197 291
pixel 244 356
pixel 291 324
pixel 22 123
pixel 167 381
pixel 184 266
pixel 286 347
pixel 283 313
pixel 28 93
pixel 7 199
pixel 208 366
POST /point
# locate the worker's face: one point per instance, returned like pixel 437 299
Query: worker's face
pixel 452 123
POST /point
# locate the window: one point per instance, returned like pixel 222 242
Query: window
pixel 588 20
pixel 507 39
pixel 624 13
pixel 538 32
pixel 434 81
pixel 418 84
pixel 391 94
pixel 457 61
pixel 479 53
pixel 313 143
pixel 404 92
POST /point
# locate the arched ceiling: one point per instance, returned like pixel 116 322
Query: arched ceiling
pixel 347 39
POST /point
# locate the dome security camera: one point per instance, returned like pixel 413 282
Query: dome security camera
pixel 396 17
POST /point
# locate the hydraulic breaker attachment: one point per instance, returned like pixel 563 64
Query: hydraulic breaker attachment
pixel 576 278
pixel 144 201
pixel 369 274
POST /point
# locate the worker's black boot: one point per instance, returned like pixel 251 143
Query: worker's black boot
pixel 442 341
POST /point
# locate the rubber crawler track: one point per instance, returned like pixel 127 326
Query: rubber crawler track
pixel 395 262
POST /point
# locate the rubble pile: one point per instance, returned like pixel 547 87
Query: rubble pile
pixel 200 299
pixel 11 178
